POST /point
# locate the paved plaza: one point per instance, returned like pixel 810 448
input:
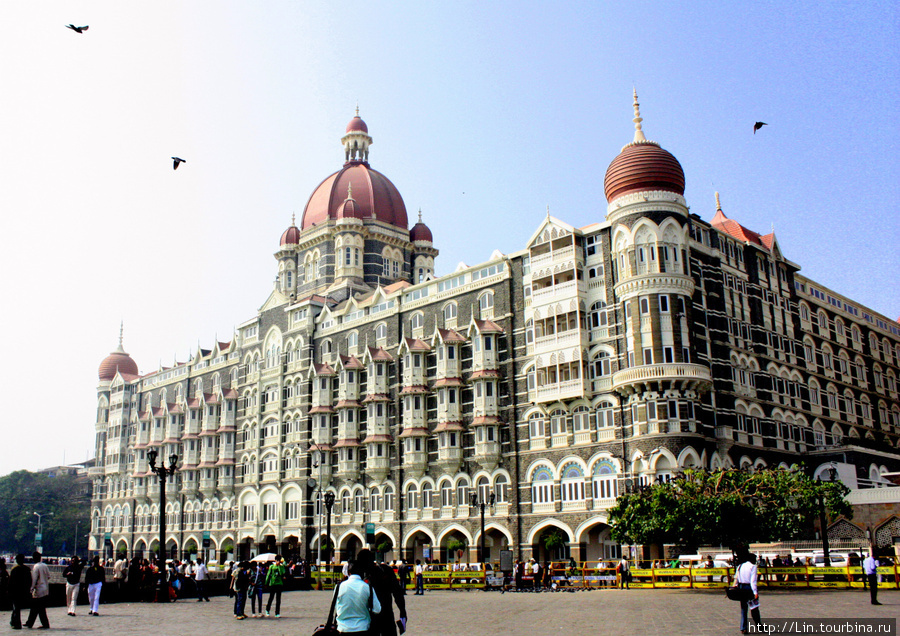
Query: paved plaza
pixel 459 613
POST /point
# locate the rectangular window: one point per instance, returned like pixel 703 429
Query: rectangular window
pixel 645 305
pixel 663 304
pixel 648 355
pixel 669 354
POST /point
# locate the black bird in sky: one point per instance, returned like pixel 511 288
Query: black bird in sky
pixel 758 125
pixel 177 160
pixel 77 29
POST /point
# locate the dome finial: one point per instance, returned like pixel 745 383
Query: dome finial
pixel 350 191
pixel 420 215
pixel 638 133
pixel 548 211
pixel 121 334
pixel 357 109
pixel 293 219
pixel 718 204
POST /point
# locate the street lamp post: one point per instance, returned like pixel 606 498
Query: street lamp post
pixel 163 473
pixel 832 472
pixel 329 503
pixel 482 504
pixel 40 540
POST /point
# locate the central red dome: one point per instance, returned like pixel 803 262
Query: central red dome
pixel 373 193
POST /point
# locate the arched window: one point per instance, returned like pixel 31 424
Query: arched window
pixel 601 364
pixel 605 483
pixel 412 497
pixel 484 489
pixel 598 316
pixel 450 311
pixel 501 484
pixel 486 301
pixel 542 486
pixel 581 419
pixel 417 321
pixel 427 496
pixel 572 484
pixel 446 494
pixel 381 331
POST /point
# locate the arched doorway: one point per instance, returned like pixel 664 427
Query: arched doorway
pixel 419 545
pixel 596 544
pixel 494 541
pixel 454 547
pixel 139 548
pixel 190 548
pixel 290 548
pixel 383 547
pixel 171 549
pixel 550 543
pixel 121 549
pixel 349 547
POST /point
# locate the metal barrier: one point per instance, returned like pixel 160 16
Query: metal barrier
pixel 442 576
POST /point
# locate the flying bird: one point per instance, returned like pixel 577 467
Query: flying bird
pixel 77 29
pixel 177 160
pixel 758 125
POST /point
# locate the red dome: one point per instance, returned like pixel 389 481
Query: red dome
pixel 357 124
pixel 420 232
pixel 291 236
pixel 643 166
pixel 373 195
pixel 117 360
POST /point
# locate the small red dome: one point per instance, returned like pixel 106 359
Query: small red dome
pixel 357 125
pixel 117 360
pixel 291 236
pixel 420 232
pixel 643 166
pixel 373 196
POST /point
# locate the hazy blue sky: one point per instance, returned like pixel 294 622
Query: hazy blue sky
pixel 482 113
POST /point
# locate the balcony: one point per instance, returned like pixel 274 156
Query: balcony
pixel 559 291
pixel 487 454
pixel 207 486
pixel 557 341
pixel 378 467
pixel 562 255
pixel 450 458
pixel 226 484
pixel 415 463
pixel 560 390
pixel 639 379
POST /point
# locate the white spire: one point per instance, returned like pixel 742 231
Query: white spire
pixel 638 133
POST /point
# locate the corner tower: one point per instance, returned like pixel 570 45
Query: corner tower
pixel 653 288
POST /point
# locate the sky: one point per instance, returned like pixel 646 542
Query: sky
pixel 482 114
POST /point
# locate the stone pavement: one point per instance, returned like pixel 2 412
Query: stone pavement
pixel 461 613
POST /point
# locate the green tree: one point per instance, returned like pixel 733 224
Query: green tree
pixel 726 507
pixel 62 507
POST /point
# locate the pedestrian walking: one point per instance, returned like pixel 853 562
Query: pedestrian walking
pixel 40 593
pixel 420 578
pixel 94 578
pixel 19 590
pixel 403 573
pixel 275 583
pixel 747 578
pixel 870 569
pixel 241 585
pixel 624 572
pixel 72 574
pixel 356 602
pixel 257 583
pixel 201 575
pixel 386 585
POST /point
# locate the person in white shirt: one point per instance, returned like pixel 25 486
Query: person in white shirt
pixel 870 568
pixel 201 574
pixel 40 593
pixel 356 602
pixel 747 578
pixel 420 578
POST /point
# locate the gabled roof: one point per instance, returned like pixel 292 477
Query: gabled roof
pixel 378 354
pixel 448 335
pixel 413 344
pixel 487 326
pixel 322 369
pixel 400 284
pixel 737 231
pixel 550 221
pixel 349 362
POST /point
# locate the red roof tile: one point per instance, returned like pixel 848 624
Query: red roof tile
pixel 448 426
pixel 347 443
pixel 380 355
pixel 372 439
pixel 736 230
pixel 323 369
pixel 321 409
pixel 351 362
pixel 488 326
pixel 449 335
pixel 414 344
pixel 414 432
pixel 486 419
pixel 414 390
pixel 347 404
pixel 485 373
pixel 444 382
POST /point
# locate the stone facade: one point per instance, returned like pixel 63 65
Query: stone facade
pixel 521 395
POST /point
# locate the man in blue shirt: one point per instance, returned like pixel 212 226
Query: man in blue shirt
pixel 356 602
pixel 870 567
